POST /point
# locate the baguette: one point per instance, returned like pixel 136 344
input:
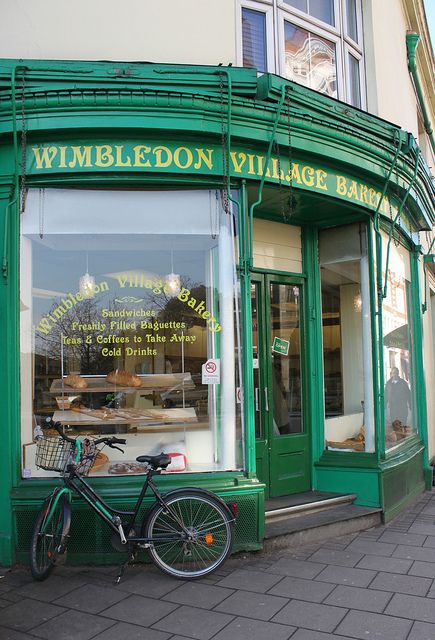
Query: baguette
pixel 124 378
pixel 75 381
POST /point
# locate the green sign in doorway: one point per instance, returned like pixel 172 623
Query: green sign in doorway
pixel 280 346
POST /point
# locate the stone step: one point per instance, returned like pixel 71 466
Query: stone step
pixel 319 525
pixel 303 503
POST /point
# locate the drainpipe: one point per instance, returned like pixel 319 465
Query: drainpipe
pixel 399 211
pixel 412 40
pixel 379 283
pixel 263 177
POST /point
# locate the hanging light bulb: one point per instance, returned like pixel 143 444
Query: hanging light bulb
pixel 87 283
pixel 173 280
pixel 173 283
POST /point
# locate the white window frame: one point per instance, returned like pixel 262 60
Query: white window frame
pixel 358 56
pixel 267 8
pixel 312 20
pixel 277 12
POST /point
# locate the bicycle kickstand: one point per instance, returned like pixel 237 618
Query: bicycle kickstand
pixel 131 557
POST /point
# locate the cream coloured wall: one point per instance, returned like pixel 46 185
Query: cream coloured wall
pixel 390 93
pixel 277 246
pixel 180 31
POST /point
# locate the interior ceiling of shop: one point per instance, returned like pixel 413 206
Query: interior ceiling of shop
pixel 306 207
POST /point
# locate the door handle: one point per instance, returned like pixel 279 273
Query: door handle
pixel 266 398
pixel 257 403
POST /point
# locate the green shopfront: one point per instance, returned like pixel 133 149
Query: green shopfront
pixel 217 265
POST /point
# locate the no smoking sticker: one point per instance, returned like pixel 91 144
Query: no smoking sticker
pixel 211 371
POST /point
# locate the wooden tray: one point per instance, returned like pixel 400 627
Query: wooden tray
pixel 128 416
pixel 150 382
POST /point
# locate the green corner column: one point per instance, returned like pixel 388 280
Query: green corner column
pixel 9 374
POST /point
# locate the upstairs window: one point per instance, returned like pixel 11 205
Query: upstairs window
pixel 317 43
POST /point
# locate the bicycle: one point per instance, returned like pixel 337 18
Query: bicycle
pixel 188 532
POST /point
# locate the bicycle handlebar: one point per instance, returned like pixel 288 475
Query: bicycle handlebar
pixel 109 440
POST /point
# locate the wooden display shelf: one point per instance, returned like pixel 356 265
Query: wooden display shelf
pixel 150 382
pixel 131 416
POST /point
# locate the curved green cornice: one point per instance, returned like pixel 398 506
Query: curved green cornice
pixel 140 101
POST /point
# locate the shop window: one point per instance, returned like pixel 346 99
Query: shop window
pixel 399 393
pixel 316 43
pixel 347 352
pixel 125 296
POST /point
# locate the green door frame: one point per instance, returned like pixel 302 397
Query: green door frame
pixel 269 447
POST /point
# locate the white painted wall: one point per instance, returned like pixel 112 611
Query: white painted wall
pixel 180 31
pixel 390 93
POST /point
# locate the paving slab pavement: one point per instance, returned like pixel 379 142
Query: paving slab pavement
pixel 375 585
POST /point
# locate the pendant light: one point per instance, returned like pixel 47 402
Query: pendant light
pixel 87 282
pixel 173 280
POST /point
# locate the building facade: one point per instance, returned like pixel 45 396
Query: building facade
pixel 225 253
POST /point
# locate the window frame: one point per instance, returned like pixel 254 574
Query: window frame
pixel 265 7
pixel 278 12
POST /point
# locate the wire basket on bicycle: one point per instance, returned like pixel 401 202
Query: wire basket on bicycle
pixel 53 453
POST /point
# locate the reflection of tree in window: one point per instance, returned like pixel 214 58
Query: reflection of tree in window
pixel 310 60
pixel 85 356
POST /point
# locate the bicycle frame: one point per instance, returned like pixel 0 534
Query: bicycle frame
pixel 112 517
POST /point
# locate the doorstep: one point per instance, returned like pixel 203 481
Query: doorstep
pixel 314 516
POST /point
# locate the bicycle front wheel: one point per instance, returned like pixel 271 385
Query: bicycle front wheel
pixel 49 536
pixel 191 536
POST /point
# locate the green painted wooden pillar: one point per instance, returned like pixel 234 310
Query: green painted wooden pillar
pixel 417 325
pixel 9 374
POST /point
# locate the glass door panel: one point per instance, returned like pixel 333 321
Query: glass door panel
pixel 286 358
pixel 283 462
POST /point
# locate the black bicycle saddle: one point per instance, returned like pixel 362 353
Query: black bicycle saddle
pixel 156 462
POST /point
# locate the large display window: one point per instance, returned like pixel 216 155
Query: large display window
pixel 347 343
pixel 129 325
pixel 399 392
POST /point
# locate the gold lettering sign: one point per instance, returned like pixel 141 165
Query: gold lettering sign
pixel 168 157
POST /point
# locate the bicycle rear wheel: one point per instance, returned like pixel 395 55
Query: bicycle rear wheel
pixel 49 536
pixel 191 536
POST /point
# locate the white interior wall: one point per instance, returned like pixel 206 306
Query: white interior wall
pixel 187 32
pixel 351 350
pixel 277 246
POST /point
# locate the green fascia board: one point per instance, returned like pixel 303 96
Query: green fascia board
pixel 357 123
pixel 315 103
pixel 126 75
pixel 322 127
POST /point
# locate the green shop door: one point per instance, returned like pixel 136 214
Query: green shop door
pixel 282 440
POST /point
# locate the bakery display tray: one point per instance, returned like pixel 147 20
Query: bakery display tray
pixel 150 382
pixel 156 417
